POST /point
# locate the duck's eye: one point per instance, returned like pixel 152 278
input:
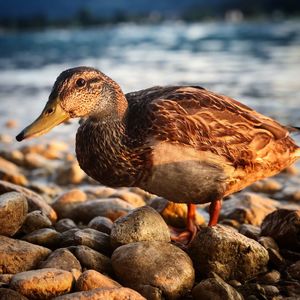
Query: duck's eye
pixel 80 82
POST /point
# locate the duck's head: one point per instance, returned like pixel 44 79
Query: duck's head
pixel 77 92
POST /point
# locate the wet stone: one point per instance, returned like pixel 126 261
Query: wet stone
pixel 64 225
pixel 42 284
pixel 284 227
pixel 102 224
pixel 13 211
pixel 215 249
pixel 94 239
pixel 129 197
pixel 66 202
pixel 46 237
pixel 92 279
pixel 215 289
pixel 141 224
pixel 156 264
pixel 91 259
pixel 35 220
pixel 17 256
pixel 69 173
pixel 61 259
pixel 248 208
pixel 35 201
pixel 9 294
pixel 250 231
pixel 111 208
pixel 104 294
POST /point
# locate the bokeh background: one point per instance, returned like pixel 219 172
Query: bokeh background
pixel 249 50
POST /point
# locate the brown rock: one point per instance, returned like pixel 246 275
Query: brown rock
pixel 227 253
pixel 61 259
pixel 35 220
pixel 129 197
pixel 250 231
pixel 268 186
pixel 215 289
pixel 42 284
pixel 141 224
pixel 69 173
pixel 11 123
pixel 65 203
pixel 35 161
pixel 46 237
pixel 104 294
pixel 111 208
pixel 13 210
pixel 17 256
pixel 248 208
pixel 15 156
pixel 284 227
pixel 159 265
pixel 97 192
pixel 91 259
pixel 12 173
pixel 8 294
pixel 64 225
pixel 35 201
pixel 102 224
pixel 68 237
pixel 174 214
pixel 94 239
pixel 5 279
pixel 92 279
pixel 271 277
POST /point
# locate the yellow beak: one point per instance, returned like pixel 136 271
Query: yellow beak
pixel 51 116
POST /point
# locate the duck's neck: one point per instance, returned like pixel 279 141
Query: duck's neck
pixel 105 152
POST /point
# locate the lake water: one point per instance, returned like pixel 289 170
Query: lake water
pixel 256 63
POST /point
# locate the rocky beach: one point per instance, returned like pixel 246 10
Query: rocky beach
pixel 64 236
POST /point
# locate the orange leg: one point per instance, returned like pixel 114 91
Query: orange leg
pixel 214 212
pixel 185 236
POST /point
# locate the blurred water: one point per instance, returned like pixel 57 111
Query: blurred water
pixel 256 63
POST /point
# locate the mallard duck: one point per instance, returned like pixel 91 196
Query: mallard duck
pixel 184 143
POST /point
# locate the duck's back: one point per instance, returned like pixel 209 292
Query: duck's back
pixel 187 125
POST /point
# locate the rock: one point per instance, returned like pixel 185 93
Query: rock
pixel 271 291
pixel 174 214
pixel 11 123
pixel 252 291
pixel 111 208
pixel 35 220
pixel 94 239
pixel 271 277
pixel 96 192
pixel 92 279
pixel 102 224
pixel 215 289
pixel 35 161
pixel 91 259
pixel 46 237
pixel 267 186
pixel 268 243
pixel 65 203
pixel 129 197
pixel 104 294
pixel 42 284
pixel 61 259
pixel 35 201
pixel 8 294
pixel 17 256
pixel 13 211
pixel 64 225
pixel 294 270
pixel 250 231
pixel 141 224
pixel 248 208
pixel 284 227
pixel 227 253
pixel 12 173
pixel 69 173
pixel 5 138
pixel 68 237
pixel 156 265
pixel 15 156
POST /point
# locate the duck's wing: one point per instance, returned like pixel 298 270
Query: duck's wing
pixel 206 121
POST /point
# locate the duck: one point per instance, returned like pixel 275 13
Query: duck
pixel 184 143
